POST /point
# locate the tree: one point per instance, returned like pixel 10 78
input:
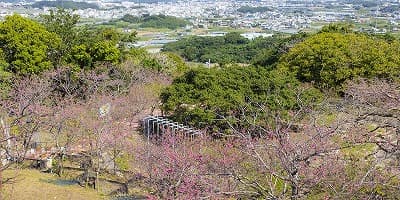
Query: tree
pixel 129 38
pixel 202 97
pixel 99 45
pixel 337 28
pixel 272 48
pixel 375 111
pixel 295 157
pixel 22 116
pixel 130 18
pixel 329 59
pixel 105 51
pixel 182 168
pixel 249 9
pixel 63 23
pixel 235 38
pixel 106 123
pixel 289 157
pixel 80 55
pixel 162 21
pixel 5 76
pixel 233 48
pixel 28 47
pixel 65 4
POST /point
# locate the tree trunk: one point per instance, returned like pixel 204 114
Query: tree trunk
pixel 6 132
pixel 398 145
pixel 294 185
pixel 295 192
pixel 1 179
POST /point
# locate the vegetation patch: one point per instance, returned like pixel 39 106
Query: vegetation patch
pixel 32 184
pixel 64 4
pixel 156 21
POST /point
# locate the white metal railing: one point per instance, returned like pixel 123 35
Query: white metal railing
pixel 158 125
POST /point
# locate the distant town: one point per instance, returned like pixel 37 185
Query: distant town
pixel 269 15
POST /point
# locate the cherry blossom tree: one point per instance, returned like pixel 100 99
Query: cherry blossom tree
pixel 21 117
pixel 373 108
pixel 178 167
pixel 291 157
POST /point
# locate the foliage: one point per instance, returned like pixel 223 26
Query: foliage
pixel 204 97
pixel 21 117
pixel 80 55
pixel 216 49
pixel 329 59
pixel 105 51
pixel 180 66
pixel 249 9
pixel 179 168
pixel 271 49
pixel 375 109
pixel 280 164
pixel 156 21
pixel 131 19
pixel 63 23
pixel 337 28
pixel 64 4
pixel 272 143
pixel 99 45
pixel 233 48
pixel 169 63
pixel 27 46
pixel 84 46
pixel 162 21
pixel 5 76
pixel 129 37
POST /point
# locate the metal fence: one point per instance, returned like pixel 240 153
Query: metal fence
pixel 158 125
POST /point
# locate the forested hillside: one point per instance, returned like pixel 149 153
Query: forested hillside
pixel 156 21
pixel 309 116
pixel 249 9
pixel 233 48
pixel 65 4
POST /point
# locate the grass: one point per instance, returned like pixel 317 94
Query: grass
pixel 32 184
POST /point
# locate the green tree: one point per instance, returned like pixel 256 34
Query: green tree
pixel 129 37
pixel 99 45
pixel 233 48
pixel 5 77
pixel 27 45
pixel 63 23
pixel 109 34
pixel 338 28
pixel 269 50
pixel 80 55
pixel 162 21
pixel 329 59
pixel 235 38
pixel 105 51
pixel 131 19
pixel 206 97
pixel 251 9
